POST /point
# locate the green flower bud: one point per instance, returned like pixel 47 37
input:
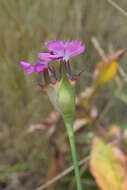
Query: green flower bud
pixel 65 98
pixel 62 95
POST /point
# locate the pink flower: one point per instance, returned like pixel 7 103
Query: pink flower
pixel 27 67
pixel 59 50
pixel 38 67
pixel 49 56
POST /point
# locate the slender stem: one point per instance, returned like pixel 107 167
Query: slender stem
pixel 69 126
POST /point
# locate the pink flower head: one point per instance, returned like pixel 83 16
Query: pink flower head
pixel 49 56
pixel 38 67
pixel 27 67
pixel 67 50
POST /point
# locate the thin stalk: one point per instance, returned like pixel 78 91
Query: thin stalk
pixel 69 126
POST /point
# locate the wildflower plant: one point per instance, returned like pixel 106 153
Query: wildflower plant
pixel 60 89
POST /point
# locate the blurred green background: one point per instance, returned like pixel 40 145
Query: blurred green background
pixel 25 25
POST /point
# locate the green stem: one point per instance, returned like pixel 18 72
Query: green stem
pixel 69 126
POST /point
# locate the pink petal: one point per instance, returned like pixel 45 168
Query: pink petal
pixel 74 48
pixel 27 67
pixel 40 66
pixel 55 46
pixel 48 56
pixel 78 51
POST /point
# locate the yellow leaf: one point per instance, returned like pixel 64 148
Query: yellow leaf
pixel 108 166
pixel 106 73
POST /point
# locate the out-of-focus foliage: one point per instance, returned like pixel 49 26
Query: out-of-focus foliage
pixel 106 73
pixel 108 162
pixel 25 26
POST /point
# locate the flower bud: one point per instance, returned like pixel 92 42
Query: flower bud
pixel 62 95
pixel 66 96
